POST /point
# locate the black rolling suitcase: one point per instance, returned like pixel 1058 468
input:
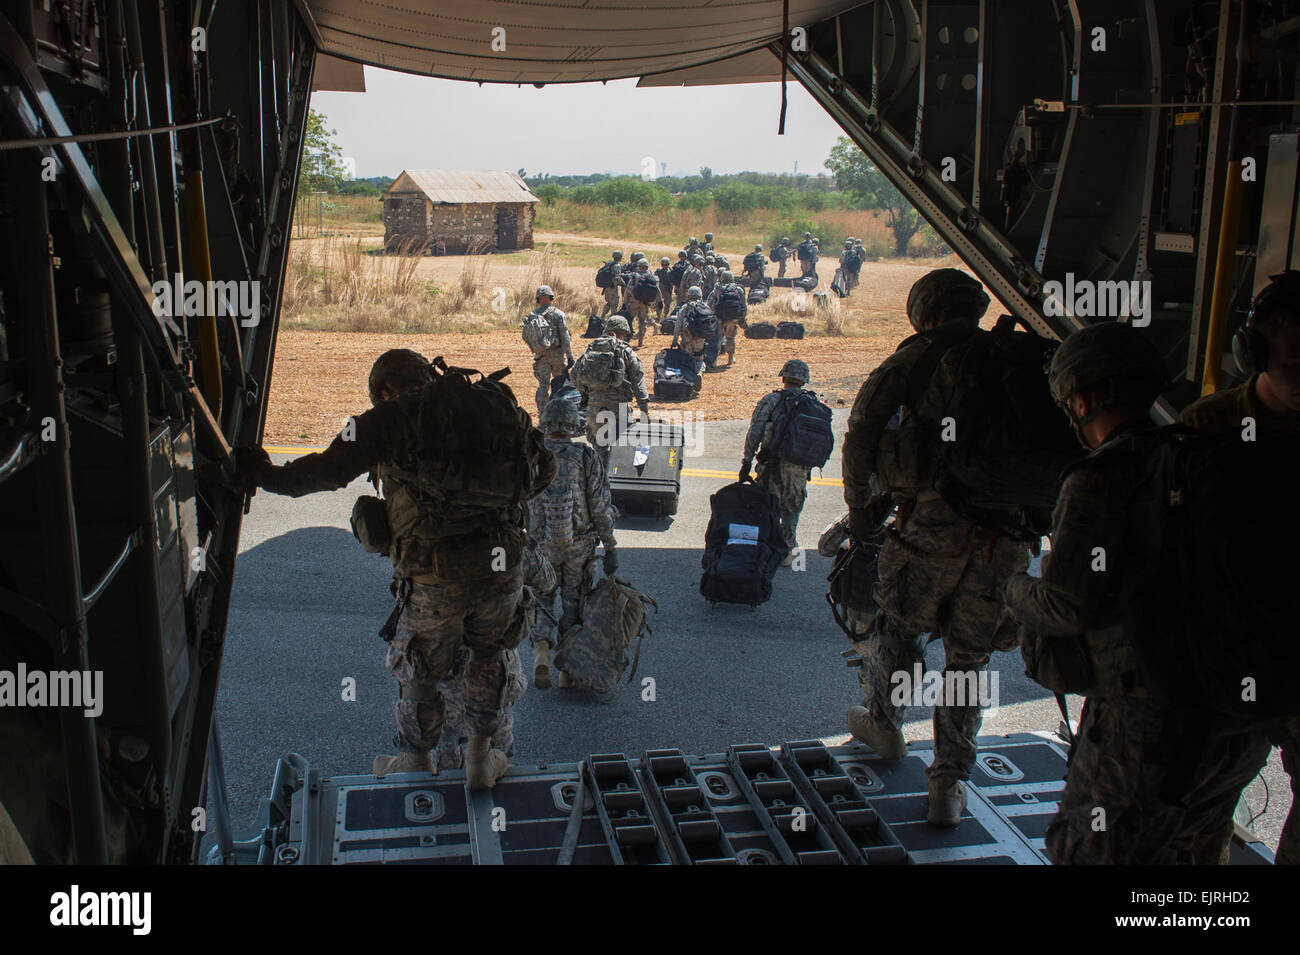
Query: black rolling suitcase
pixel 645 469
pixel 675 377
pixel 743 545
pixel 760 330
pixel 790 330
pixel 758 293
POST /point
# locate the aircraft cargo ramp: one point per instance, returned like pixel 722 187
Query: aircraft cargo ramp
pixel 802 803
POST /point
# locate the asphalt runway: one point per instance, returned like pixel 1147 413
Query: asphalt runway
pixel 308 603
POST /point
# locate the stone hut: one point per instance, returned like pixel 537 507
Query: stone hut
pixel 485 211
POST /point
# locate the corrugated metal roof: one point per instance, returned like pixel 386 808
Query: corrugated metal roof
pixel 555 41
pixel 455 186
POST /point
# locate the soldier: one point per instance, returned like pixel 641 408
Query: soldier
pixel 546 333
pixel 851 265
pixel 807 253
pixel 694 345
pixel 938 573
pixel 693 247
pixel 539 578
pixel 612 291
pixel 781 255
pixel 609 383
pixel 642 293
pixel 708 240
pixel 786 479
pixel 1163 779
pixel 664 304
pixel 1269 348
pixel 676 272
pixel 569 519
pixel 708 275
pixel 693 275
pixel 754 264
pixel 730 305
pixel 457 561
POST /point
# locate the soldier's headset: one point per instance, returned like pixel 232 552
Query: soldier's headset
pixel 1249 346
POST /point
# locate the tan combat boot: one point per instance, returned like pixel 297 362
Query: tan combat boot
pixel 887 741
pixel 402 763
pixel 564 680
pixel 542 665
pixel 483 765
pixel 947 800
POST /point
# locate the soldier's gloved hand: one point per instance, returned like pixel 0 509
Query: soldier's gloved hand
pixel 863 524
pixel 644 405
pixel 610 561
pixel 251 463
pixel 745 466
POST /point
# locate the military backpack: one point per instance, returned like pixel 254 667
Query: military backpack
pixel 475 447
pixel 999 444
pixel 1210 569
pixel 594 652
pixel 801 429
pixel 539 332
pixel 601 367
pixel 605 276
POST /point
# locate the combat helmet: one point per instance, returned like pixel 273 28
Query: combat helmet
pixel 758 247
pixel 725 275
pixel 398 370
pixel 617 323
pixel 694 292
pixel 638 256
pixel 785 240
pixel 664 260
pixel 708 237
pixel 617 254
pixel 943 295
pixel 1112 358
pixel 642 263
pixel 559 415
pixel 796 369
pixel 544 290
pixel 807 235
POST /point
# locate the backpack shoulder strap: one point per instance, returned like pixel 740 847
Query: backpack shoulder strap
pixel 919 378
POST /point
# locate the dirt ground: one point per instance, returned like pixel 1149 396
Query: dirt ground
pixel 320 376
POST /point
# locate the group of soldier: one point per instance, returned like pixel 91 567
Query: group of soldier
pixel 462 610
pixel 1147 783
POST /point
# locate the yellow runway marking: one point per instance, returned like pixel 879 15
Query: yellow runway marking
pixel 688 472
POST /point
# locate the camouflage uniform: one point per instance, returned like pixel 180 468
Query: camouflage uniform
pixel 607 409
pixel 539 577
pixel 708 279
pixel 1218 413
pixel 664 304
pixel 732 326
pixel 695 347
pixel 570 518
pixel 552 362
pixel 807 252
pixel 446 552
pixel 1166 782
pixel 851 273
pixel 938 573
pixel 614 291
pixel 787 480
pixel 692 276
pixel 780 255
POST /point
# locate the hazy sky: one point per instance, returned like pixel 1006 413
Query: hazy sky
pixel 405 121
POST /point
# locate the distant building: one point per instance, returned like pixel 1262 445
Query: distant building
pixel 482 210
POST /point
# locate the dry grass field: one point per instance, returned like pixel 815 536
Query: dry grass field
pixel 345 304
